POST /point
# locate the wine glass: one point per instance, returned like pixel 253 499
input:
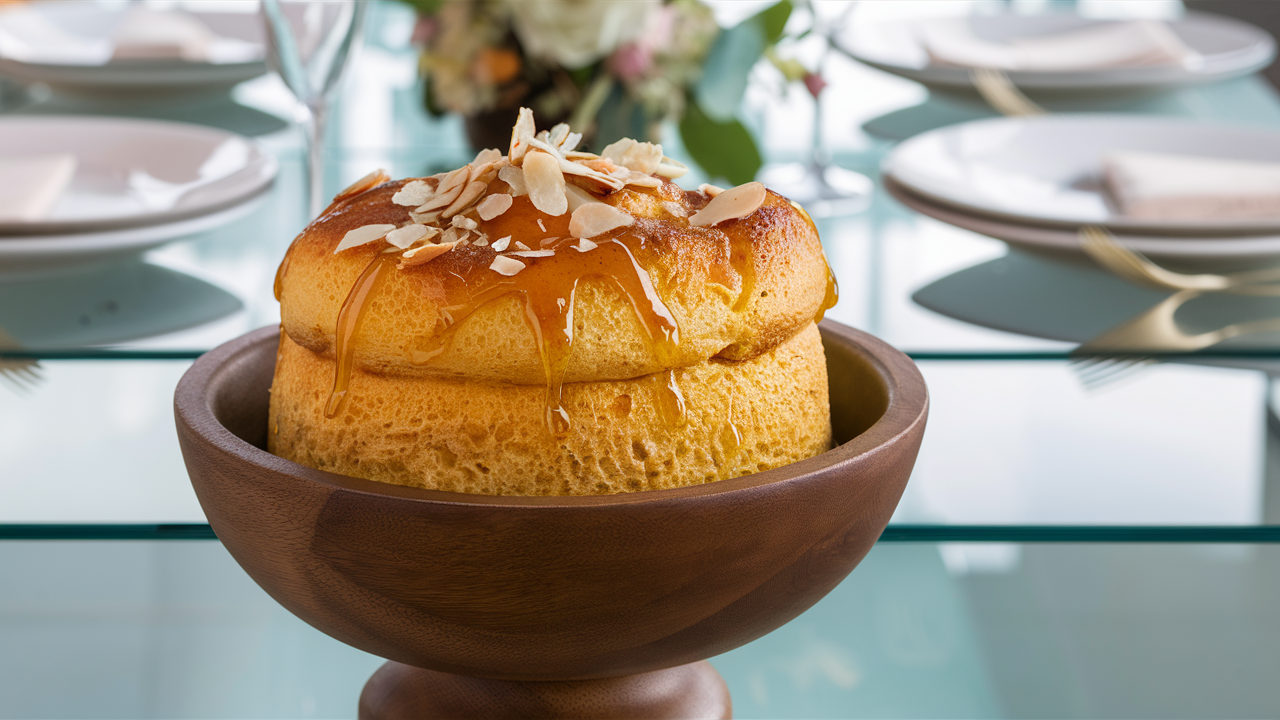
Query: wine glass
pixel 308 44
pixel 822 187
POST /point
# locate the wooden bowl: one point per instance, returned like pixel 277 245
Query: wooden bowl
pixel 559 588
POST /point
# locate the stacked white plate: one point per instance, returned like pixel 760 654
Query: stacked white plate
pixel 1034 181
pixel 1223 48
pixel 137 184
pixel 77 45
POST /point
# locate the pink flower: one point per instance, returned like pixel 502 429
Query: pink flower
pixel 425 30
pixel 814 82
pixel 632 61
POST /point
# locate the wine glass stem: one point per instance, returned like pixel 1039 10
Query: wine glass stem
pixel 313 127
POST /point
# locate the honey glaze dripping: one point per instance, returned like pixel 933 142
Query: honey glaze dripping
pixel 349 316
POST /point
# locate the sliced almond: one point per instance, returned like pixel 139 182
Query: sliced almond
pixel 642 157
pixel 521 134
pixel 414 193
pixel 548 241
pixel 542 227
pixel 441 200
pixel 493 206
pixel 423 254
pixel 597 219
pixel 424 218
pixel 710 190
pixel 372 180
pixel 410 234
pixel 545 181
pixel 533 253
pixel 579 155
pixel 514 177
pixel 453 235
pixel 466 199
pixel 734 203
pixel 578 169
pixel 361 235
pixel 504 265
pixel 558 134
pixel 487 156
pixel 578 197
pixel 481 241
pixel 522 246
pixel 670 169
pixel 636 179
pixel 455 178
pixel 584 245
pixel 465 223
pixel 501 243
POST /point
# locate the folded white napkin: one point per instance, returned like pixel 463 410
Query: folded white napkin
pixel 156 34
pixel 1182 187
pixel 30 187
pixel 1105 45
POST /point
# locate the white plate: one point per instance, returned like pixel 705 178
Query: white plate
pixel 24 258
pixel 1047 170
pixel 1180 253
pixel 1229 48
pixel 68 44
pixel 132 173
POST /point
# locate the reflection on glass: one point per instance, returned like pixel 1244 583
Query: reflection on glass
pixel 309 43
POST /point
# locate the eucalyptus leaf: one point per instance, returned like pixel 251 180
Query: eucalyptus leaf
pixel 723 149
pixel 736 50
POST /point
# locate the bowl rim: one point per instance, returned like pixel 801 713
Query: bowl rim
pixel 907 406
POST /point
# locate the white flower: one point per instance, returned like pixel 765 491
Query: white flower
pixel 574 33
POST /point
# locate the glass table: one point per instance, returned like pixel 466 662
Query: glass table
pixel 1061 551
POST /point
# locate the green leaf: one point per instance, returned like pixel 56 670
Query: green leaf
pixel 724 149
pixel 773 20
pixel 736 50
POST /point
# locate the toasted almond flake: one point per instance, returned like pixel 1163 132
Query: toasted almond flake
pixel 710 190
pixel 578 197
pixel 504 265
pixel 414 193
pixel 514 177
pixel 579 155
pixel 545 181
pixel 481 241
pixel 501 243
pixel 478 171
pixel 521 134
pixel 636 179
pixel 643 157
pixel 558 134
pixel 487 156
pixel 493 206
pixel 441 200
pixel 541 227
pixel 453 235
pixel 522 246
pixel 465 200
pixel 424 218
pixel 361 235
pixel 465 223
pixel 584 245
pixel 670 169
pixel 372 180
pixel 548 241
pixel 533 253
pixel 423 254
pixel 597 219
pixel 410 234
pixel 570 168
pixel 455 178
pixel 736 202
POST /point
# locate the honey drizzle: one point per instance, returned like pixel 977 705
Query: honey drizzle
pixel 353 310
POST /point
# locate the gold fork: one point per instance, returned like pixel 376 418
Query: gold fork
pixel 1120 351
pixel 1133 266
pixel 1001 94
pixel 22 374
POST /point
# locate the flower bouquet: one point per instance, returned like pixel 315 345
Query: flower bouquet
pixel 609 69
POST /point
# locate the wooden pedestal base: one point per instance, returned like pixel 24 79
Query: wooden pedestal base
pixel 399 691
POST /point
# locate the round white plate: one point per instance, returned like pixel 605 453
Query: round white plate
pixel 68 44
pixel 1047 170
pixel 25 258
pixel 1229 48
pixel 1180 253
pixel 133 173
